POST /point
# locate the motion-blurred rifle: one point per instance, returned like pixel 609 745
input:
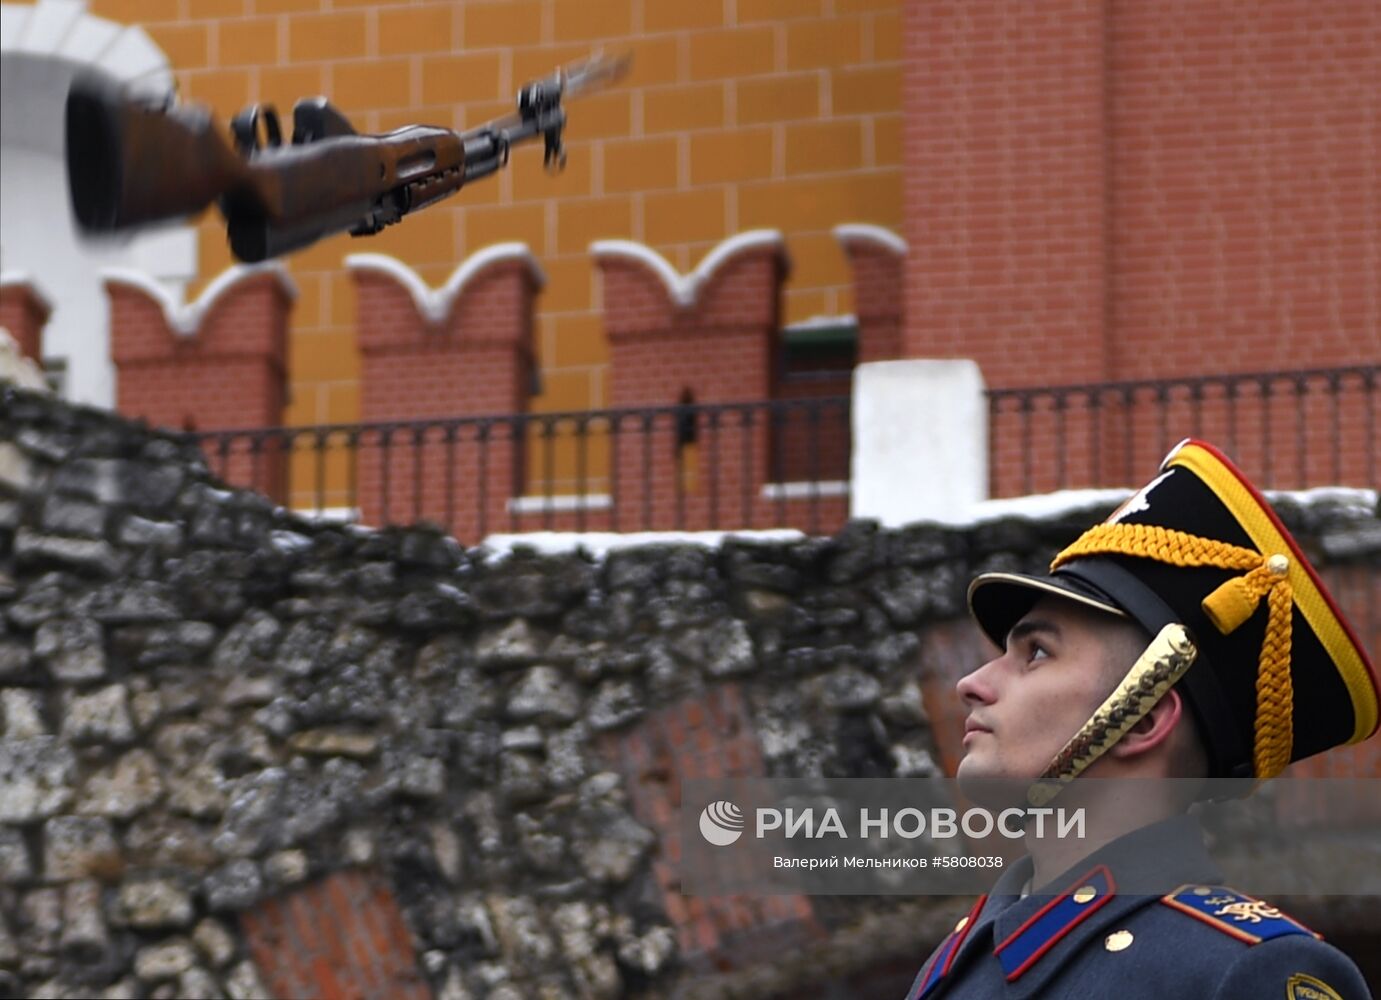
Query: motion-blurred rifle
pixel 132 163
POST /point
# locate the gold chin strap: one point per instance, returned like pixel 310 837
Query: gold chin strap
pixel 1164 662
pixel 1227 608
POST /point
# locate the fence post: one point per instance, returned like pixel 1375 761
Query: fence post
pixel 920 441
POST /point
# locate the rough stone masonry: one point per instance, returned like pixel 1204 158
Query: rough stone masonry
pixel 208 703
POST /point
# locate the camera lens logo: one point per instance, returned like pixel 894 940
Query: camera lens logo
pixel 721 823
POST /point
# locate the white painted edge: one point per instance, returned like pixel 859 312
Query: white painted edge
pixel 559 503
pixel 683 288
pixel 16 279
pixel 185 318
pixel 13 19
pixel 48 26
pixel 66 30
pixel 805 490
pixel 435 304
pixel 870 234
pixel 822 322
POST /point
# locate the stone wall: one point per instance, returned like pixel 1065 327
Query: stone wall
pixel 246 754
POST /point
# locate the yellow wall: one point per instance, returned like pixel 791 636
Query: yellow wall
pixel 737 114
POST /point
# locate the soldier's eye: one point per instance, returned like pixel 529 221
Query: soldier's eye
pixel 1036 652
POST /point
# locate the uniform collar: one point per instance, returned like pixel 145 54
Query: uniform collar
pixel 1033 937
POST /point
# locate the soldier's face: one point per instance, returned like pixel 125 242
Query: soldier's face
pixel 1026 703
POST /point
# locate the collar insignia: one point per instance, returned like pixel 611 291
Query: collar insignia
pixel 1044 929
pixel 943 958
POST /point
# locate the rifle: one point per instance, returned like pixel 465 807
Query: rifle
pixel 133 163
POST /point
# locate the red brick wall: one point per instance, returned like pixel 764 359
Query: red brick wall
pixel 1090 196
pixel 878 272
pixel 1004 145
pixel 342 938
pixel 24 313
pixel 477 361
pixel 707 735
pixel 228 374
pixel 1243 185
pixel 717 348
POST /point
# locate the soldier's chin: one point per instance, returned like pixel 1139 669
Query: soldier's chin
pixel 991 787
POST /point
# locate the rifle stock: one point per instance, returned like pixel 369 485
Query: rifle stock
pixel 132 164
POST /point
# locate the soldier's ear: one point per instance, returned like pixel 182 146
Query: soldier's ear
pixel 1153 730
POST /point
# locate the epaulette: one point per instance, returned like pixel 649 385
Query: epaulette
pixel 1234 913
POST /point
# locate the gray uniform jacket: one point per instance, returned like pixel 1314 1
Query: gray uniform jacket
pixel 1081 939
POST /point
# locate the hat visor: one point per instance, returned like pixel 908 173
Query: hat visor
pixel 998 601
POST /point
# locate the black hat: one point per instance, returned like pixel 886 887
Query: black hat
pixel 1280 675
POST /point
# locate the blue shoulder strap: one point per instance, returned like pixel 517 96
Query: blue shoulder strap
pixel 1234 913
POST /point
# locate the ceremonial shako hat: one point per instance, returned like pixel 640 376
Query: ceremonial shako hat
pixel 1279 674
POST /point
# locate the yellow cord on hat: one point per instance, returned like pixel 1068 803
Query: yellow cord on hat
pixel 1227 607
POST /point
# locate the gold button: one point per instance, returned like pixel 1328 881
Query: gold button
pixel 1118 941
pixel 1278 564
pixel 1084 893
pixel 963 922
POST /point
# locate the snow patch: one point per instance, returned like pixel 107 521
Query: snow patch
pixel 1352 498
pixel 870 234
pixel 683 288
pixel 435 304
pixel 1041 505
pixel 599 544
pixel 289 542
pixel 185 319
pixel 822 322
pixel 1061 502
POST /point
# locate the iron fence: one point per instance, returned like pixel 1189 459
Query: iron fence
pixel 1286 430
pixel 785 463
pixel 684 467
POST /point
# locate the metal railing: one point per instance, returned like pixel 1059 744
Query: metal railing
pixel 785 463
pixel 1286 430
pixel 685 467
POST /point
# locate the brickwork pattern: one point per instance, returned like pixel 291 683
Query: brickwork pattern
pixel 716 349
pixel 708 735
pixel 878 272
pixel 477 361
pixel 1287 432
pixel 1149 202
pixel 1123 202
pixel 229 374
pixel 1005 189
pixel 24 313
pixel 341 938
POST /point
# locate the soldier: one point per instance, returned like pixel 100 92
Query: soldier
pixel 1273 675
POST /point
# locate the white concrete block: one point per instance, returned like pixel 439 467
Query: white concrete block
pixel 920 441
